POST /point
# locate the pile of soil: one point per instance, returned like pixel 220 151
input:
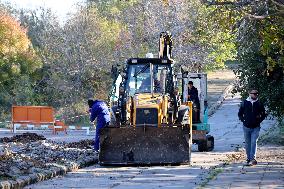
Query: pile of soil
pixel 83 144
pixel 30 153
pixel 23 138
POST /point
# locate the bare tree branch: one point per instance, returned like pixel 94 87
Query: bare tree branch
pixel 280 4
pixel 221 3
pixel 256 16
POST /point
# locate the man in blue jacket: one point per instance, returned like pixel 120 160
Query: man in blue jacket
pixel 251 113
pixel 99 110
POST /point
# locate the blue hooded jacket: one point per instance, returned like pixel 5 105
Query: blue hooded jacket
pixel 100 111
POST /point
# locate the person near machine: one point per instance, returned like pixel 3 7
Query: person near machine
pixel 146 85
pixel 193 96
pixel 180 110
pixel 98 109
pixel 251 113
pixel 177 96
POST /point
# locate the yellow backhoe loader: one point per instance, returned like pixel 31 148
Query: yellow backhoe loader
pixel 151 117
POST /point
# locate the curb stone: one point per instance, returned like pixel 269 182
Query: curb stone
pixel 221 99
pixel 23 181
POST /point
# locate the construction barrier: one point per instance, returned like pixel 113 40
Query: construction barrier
pixel 40 117
pixel 53 127
pixel 60 126
pixel 32 116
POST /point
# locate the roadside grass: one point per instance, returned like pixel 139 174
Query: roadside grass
pixel 6 177
pixel 2 125
pixel 274 135
pixel 5 124
pixel 213 173
pixel 79 121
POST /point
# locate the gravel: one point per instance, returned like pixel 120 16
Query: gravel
pixel 25 137
pixel 30 153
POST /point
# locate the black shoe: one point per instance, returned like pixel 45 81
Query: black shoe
pixel 248 163
pixel 253 162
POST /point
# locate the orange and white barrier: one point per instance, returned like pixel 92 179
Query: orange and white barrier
pixel 73 128
pixel 55 128
pixel 31 117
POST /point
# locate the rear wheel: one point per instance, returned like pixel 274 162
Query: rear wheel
pixel 183 116
pixel 115 116
pixel 206 145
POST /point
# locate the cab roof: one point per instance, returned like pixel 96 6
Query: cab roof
pixel 148 60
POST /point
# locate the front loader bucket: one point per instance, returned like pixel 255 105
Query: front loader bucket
pixel 144 145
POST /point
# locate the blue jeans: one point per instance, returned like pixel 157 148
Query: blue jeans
pixel 251 136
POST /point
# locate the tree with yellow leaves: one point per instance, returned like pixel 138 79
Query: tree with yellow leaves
pixel 18 63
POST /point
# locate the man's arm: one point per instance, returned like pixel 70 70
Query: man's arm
pixel 94 113
pixel 241 112
pixel 262 112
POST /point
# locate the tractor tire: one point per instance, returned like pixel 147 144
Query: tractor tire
pixel 206 145
pixel 202 146
pixel 114 120
pixel 183 116
pixel 210 140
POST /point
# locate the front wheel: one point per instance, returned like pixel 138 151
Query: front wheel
pixel 206 145
pixel 115 117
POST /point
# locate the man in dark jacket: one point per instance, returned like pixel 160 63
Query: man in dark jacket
pixel 251 113
pixel 193 96
pixel 99 110
pixel 192 93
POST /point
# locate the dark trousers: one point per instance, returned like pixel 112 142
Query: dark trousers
pixel 196 112
pixel 97 137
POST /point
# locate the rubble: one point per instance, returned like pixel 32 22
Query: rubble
pixel 30 153
pixel 83 144
pixel 25 137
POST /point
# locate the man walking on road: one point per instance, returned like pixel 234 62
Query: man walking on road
pixel 251 113
pixel 99 110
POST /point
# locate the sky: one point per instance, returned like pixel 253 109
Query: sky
pixel 60 7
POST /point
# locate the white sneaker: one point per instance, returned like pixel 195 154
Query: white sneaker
pixel 248 162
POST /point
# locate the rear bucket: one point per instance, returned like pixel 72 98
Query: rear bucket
pixel 144 146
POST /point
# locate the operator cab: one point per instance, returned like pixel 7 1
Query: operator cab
pixel 147 75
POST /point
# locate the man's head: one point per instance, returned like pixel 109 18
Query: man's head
pixel 90 103
pixel 190 84
pixel 253 94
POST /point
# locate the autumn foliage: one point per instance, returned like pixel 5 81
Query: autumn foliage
pixel 18 62
pixel 15 45
pixel 13 38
